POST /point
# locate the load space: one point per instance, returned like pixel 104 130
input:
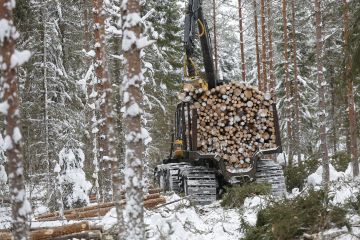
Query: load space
pixel 234 121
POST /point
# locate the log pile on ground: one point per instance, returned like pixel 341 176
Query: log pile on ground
pixel 234 120
pixel 93 199
pixel 82 230
pixel 98 210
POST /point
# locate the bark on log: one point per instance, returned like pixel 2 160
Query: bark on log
pixel 234 120
pixel 150 201
pixel 154 202
pixel 94 235
pixel 52 233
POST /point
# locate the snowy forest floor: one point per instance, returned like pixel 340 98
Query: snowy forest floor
pixel 182 220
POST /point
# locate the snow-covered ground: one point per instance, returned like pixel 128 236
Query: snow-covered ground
pixel 182 220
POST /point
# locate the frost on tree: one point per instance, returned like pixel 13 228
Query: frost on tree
pixel 74 186
pixel 10 58
pixel 133 42
pixel 3 174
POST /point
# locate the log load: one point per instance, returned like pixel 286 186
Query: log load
pixel 234 120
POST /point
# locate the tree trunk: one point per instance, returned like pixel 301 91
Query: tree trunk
pixel 257 46
pixel 321 92
pixel 272 83
pixel 287 86
pixel 263 51
pixel 215 40
pixel 350 95
pixel 333 110
pixel 46 113
pixel 133 97
pixel 118 166
pixel 10 108
pixel 88 111
pixel 103 100
pixel 242 52
pixel 296 132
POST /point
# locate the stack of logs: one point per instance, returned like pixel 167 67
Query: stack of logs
pixel 84 229
pixel 81 230
pixel 234 120
pixel 97 210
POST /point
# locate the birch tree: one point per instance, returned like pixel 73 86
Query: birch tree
pixel 10 58
pixel 132 43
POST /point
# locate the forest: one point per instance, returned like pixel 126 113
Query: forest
pixel 169 119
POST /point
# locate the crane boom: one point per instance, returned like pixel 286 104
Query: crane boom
pixel 195 16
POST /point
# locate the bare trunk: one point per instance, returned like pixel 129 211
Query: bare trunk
pixel 321 92
pixel 350 95
pixel 46 114
pixel 287 85
pixel 257 45
pixel 133 97
pixel 10 107
pixel 86 40
pixel 296 132
pixel 272 82
pixel 263 51
pixel 88 112
pixel 215 40
pixel 118 166
pixel 333 112
pixel 242 52
pixel 104 95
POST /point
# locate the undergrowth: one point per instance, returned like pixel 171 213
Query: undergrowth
pixel 234 196
pixel 290 219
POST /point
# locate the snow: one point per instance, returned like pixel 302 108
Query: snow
pixel 5 29
pixel 71 162
pixel 25 209
pixel 4 106
pixel 315 179
pixel 17 135
pixel 8 145
pixel 252 206
pixel 133 110
pixel 181 220
pixel 3 175
pixel 18 58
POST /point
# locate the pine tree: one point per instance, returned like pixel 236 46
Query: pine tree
pixel 350 95
pixel 103 85
pixel 287 85
pixel 296 99
pixel 264 46
pixel 257 45
pixel 133 42
pixel 321 92
pixel 10 58
pixel 242 52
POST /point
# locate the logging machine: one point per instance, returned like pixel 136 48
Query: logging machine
pixel 191 169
